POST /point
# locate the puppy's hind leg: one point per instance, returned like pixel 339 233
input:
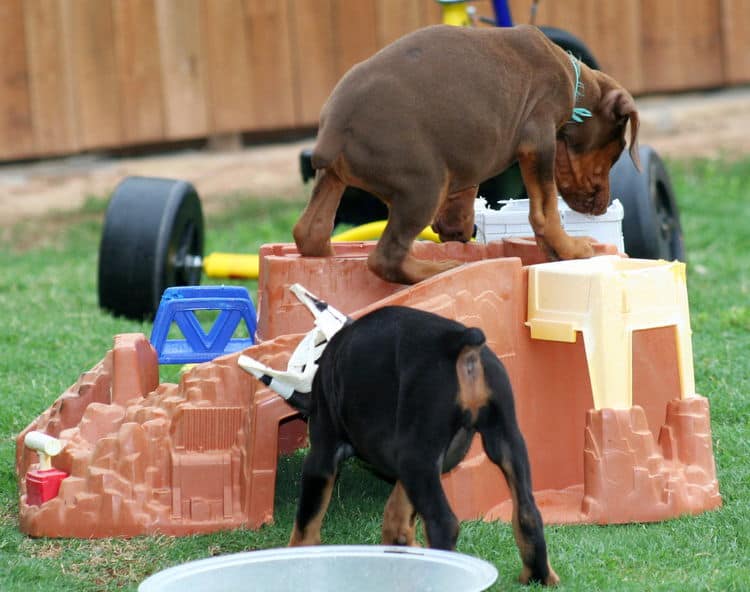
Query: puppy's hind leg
pixel 421 480
pixel 408 215
pixel 318 476
pixel 312 233
pixel 505 446
pixel 399 518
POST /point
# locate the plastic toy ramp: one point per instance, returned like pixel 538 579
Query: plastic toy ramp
pixel 201 455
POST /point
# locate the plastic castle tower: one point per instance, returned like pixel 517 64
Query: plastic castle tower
pixel 598 351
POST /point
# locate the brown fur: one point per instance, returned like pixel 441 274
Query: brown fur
pixel 399 518
pixel 426 119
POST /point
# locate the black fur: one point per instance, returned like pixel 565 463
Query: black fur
pixel 387 390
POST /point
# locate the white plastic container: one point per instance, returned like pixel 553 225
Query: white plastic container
pixel 513 220
pixel 329 568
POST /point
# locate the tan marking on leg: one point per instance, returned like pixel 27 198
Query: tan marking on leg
pixel 524 548
pixel 392 259
pixel 544 216
pixel 552 579
pixel 312 232
pixel 399 519
pixel 311 534
pixel 473 392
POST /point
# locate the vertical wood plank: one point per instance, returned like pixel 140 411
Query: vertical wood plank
pixel 546 13
pixel 395 19
pixel 355 32
pixel 681 47
pixel 183 76
pixel 227 72
pixel 16 134
pixel 735 34
pixel 89 32
pixel 619 50
pixel 138 70
pixel 520 11
pixel 661 47
pixel 431 13
pixel 313 57
pixel 701 43
pixel 574 16
pixel 269 59
pixel 80 74
pixel 50 78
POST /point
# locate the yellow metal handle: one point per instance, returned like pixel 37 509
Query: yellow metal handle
pixel 231 265
pixel 373 231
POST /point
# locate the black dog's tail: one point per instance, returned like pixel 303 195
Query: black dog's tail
pixel 455 341
pixel 473 392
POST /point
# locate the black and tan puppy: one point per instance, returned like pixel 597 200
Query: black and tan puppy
pixel 406 390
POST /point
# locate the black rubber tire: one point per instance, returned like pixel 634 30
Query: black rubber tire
pixel 651 226
pixel 572 44
pixel 504 186
pixel 153 231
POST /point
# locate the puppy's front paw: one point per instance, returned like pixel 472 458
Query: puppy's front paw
pixel 401 540
pixel 551 579
pixel 312 240
pixel 583 247
pixel 315 249
pixel 547 248
pixel 569 247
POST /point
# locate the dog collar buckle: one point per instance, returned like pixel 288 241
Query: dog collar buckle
pixel 579 113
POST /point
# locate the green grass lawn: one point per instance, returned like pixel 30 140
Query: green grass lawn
pixel 52 331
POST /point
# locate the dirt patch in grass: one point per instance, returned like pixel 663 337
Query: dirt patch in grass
pixel 697 125
pixel 36 190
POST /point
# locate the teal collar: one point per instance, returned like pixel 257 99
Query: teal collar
pixel 578 112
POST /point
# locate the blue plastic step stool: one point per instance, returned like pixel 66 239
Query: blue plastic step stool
pixel 179 304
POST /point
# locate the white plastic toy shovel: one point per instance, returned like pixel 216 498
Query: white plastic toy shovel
pixel 300 371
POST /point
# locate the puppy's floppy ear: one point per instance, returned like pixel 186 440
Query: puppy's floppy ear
pixel 617 105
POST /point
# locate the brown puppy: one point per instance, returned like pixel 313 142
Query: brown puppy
pixel 422 122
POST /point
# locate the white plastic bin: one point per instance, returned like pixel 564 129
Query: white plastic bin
pixel 513 220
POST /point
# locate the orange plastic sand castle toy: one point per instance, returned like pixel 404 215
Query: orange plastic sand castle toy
pixel 598 351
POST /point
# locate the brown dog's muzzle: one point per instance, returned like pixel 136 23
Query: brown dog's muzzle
pixel 583 178
pixel 594 202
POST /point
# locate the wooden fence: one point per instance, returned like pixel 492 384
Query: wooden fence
pixel 80 75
